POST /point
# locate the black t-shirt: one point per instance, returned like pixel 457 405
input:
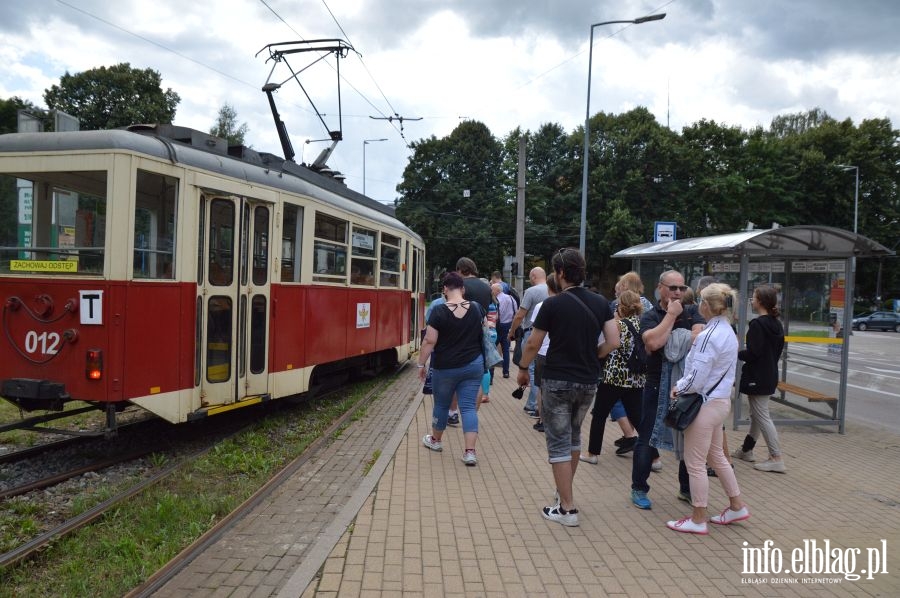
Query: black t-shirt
pixel 478 290
pixel 652 318
pixel 459 339
pixel 572 355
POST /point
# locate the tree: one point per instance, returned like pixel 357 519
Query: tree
pixel 9 110
pixel 452 195
pixel 109 98
pixel 226 126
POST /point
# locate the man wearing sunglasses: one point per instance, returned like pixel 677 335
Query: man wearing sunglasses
pixel 657 324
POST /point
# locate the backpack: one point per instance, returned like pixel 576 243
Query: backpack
pixel 637 360
pixel 515 297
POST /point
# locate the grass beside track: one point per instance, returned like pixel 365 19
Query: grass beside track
pixel 131 542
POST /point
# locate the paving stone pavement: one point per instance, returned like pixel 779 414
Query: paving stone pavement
pixel 422 523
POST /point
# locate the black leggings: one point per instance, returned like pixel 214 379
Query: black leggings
pixel 607 395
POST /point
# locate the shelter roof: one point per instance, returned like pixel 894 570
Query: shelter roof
pixel 785 242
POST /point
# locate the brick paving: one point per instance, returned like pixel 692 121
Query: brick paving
pixel 422 523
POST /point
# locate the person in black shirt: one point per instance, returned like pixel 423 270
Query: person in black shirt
pixel 574 320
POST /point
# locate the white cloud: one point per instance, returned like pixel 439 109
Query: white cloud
pixel 508 64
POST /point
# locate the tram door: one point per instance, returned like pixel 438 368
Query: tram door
pixel 234 294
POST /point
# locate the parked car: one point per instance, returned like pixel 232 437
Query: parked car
pixel 880 320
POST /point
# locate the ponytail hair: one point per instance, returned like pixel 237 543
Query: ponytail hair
pixel 767 296
pixel 720 299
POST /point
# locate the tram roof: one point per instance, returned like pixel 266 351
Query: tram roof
pixel 262 169
pixel 785 242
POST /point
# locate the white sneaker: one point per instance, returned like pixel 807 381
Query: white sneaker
pixel 728 516
pixel 744 455
pixel 429 441
pixel 469 458
pixel 556 513
pixel 656 466
pixel 688 526
pixel 770 465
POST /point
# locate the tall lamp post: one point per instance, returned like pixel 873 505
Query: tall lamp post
pixel 852 282
pixel 587 120
pixel 365 143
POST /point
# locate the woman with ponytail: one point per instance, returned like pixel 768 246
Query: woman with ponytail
pixel 759 377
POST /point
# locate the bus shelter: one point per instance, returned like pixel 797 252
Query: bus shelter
pixel 813 269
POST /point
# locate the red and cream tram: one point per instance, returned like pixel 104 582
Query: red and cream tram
pixel 151 267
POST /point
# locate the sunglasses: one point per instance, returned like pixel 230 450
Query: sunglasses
pixel 675 287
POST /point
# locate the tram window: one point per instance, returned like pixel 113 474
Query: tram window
pixel 221 242
pixel 218 339
pixel 154 225
pixel 53 222
pixel 330 249
pixel 362 269
pixel 390 260
pixel 260 245
pixel 291 233
pixel 258 334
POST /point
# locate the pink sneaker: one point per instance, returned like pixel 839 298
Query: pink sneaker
pixel 728 516
pixel 688 526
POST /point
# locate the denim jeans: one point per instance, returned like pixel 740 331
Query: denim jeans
pixel 464 381
pixel 564 406
pixel 617 411
pixel 643 452
pixel 531 402
pixel 503 335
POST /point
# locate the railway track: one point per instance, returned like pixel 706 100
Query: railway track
pixel 176 459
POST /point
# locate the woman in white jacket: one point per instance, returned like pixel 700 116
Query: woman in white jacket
pixel 710 370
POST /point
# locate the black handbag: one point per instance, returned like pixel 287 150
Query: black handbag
pixel 684 409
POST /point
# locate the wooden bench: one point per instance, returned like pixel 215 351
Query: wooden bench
pixel 811 395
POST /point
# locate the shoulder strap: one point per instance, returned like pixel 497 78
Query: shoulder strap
pixel 716 385
pixel 631 327
pixel 586 308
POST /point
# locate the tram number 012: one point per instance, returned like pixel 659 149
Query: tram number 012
pixel 45 343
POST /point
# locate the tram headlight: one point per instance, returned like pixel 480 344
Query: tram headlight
pixel 93 368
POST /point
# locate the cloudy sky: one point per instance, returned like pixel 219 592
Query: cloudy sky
pixel 507 63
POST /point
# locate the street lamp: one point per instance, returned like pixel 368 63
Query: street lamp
pixel 587 120
pixel 365 143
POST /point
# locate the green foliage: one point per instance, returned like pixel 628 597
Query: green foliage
pixel 117 96
pixel 710 179
pixel 227 128
pixel 9 113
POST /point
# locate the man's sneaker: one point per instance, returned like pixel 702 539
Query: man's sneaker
pixel 685 496
pixel 453 420
pixel 535 414
pixel 558 514
pixel 744 455
pixel 429 441
pixel 656 466
pixel 640 500
pixel 529 411
pixel 688 526
pixel 539 426
pixel 728 516
pixel 776 466
pixel 469 457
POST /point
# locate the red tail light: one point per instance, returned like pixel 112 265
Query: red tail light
pixel 93 368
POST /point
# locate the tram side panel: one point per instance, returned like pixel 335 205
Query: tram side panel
pixel 59 334
pixel 159 335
